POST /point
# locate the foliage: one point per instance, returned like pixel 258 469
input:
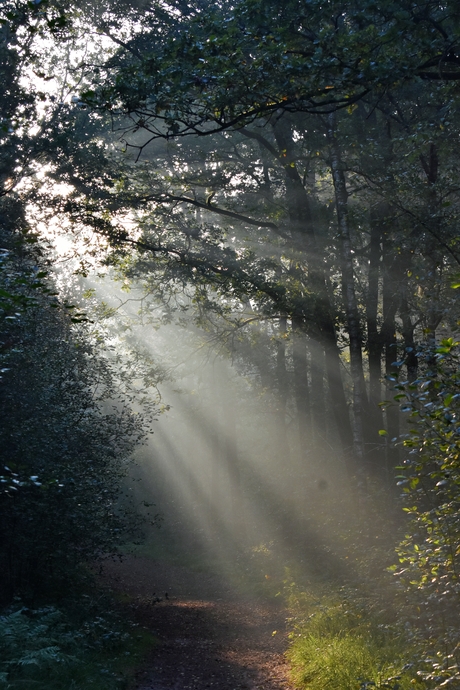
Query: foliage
pixel 239 223
pixel 339 644
pixel 215 67
pixel 45 648
pixel 221 200
pixel 430 479
pixel 225 177
pixel 67 435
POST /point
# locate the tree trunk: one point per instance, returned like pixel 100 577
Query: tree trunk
pixel 227 472
pixel 301 388
pixel 316 312
pixel 338 403
pixel 232 467
pixel 281 372
pixel 283 454
pixel 432 284
pixel 392 411
pixel 408 327
pixel 374 341
pixel 318 407
pixel 376 447
pixel 391 302
pixel 348 292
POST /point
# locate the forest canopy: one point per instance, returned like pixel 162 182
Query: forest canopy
pixel 294 163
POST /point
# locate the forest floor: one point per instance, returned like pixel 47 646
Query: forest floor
pixel 209 634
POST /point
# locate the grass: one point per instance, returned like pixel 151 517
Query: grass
pixel 339 645
pixel 337 642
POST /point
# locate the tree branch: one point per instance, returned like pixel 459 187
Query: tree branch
pixel 219 211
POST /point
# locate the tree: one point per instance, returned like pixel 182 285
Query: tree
pixel 301 185
pixel 274 103
pixel 429 555
pixel 67 437
pixel 297 58
pixel 63 454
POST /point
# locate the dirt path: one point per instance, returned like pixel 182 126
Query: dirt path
pixel 209 637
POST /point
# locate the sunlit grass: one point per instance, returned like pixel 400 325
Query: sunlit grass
pixel 339 646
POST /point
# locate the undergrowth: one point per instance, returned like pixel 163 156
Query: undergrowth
pixel 340 645
pixel 43 649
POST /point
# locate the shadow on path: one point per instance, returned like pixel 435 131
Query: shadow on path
pixel 209 637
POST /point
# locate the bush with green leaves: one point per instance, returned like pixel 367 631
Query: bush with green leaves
pixel 67 435
pixel 429 556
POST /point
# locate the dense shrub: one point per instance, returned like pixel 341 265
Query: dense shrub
pixel 67 434
pixel 429 556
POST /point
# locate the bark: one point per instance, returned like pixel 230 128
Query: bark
pixel 430 166
pixel 283 393
pixel 348 292
pixel 297 201
pixel 316 312
pixel 338 403
pixel 301 388
pixel 281 373
pixel 392 411
pixel 374 340
pixel 232 467
pixel 226 479
pixel 408 328
pixel 391 301
pixel 318 407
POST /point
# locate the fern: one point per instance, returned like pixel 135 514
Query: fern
pixel 41 650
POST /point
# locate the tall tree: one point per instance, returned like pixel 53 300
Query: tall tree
pixel 241 124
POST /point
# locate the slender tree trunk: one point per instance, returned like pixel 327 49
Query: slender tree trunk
pixel 318 407
pixel 301 388
pixel 375 443
pixel 281 374
pixel 391 301
pixel 233 470
pixel 374 341
pixel 215 445
pixel 392 411
pixel 430 166
pixel 302 400
pixel 284 468
pixel 316 314
pixel 338 403
pixel 227 483
pixel 348 291
pixel 408 327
